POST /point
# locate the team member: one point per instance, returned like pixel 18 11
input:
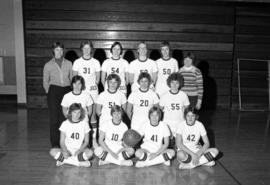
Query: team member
pixel 193 81
pixel 116 65
pixel 89 68
pixel 78 95
pixel 57 74
pixel 110 97
pixel 140 101
pixel 154 149
pixel 111 149
pixel 166 66
pixel 74 139
pixel 174 102
pixel 142 64
pixel 190 153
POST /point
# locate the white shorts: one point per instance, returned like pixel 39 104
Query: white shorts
pixel 149 146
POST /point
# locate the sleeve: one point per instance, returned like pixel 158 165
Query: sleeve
pixel 179 129
pixel 131 98
pixel 64 102
pixel 97 66
pixel 202 130
pixel 86 127
pixel 155 68
pixel 75 66
pixel 199 83
pixel 186 100
pixel 100 99
pixel 104 66
pixel 176 67
pixel 63 127
pixel 46 78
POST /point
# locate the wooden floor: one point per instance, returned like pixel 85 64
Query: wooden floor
pixel 242 137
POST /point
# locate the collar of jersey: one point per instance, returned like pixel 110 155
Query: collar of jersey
pixel 111 92
pixel 143 91
pixel 166 59
pixel 86 58
pixel 142 60
pixel 174 93
pixel 76 94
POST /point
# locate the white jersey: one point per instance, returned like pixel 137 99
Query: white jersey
pixel 119 67
pixel 142 102
pixel 137 66
pixel 153 135
pixel 114 134
pixel 84 98
pixel 165 68
pixel 107 99
pixel 174 105
pixel 75 133
pixel 87 69
pixel 191 134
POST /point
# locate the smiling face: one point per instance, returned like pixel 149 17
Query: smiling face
pixel 116 50
pixel 142 50
pixel 165 51
pixel 58 52
pixel 86 49
pixel 144 83
pixel 113 85
pixel 117 116
pixel 154 118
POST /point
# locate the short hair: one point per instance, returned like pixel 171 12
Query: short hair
pixel 116 77
pixel 142 42
pixel 78 78
pixel 192 110
pixel 144 75
pixel 119 44
pixel 57 45
pixel 189 55
pixel 116 108
pixel 155 109
pixel 87 42
pixel 165 43
pixel 175 77
pixel 73 107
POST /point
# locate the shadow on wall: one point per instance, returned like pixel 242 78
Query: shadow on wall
pixel 129 56
pixel 178 55
pixel 209 86
pixel 71 55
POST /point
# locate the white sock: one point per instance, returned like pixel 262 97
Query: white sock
pixel 206 158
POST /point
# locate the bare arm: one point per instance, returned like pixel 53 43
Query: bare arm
pixel 89 110
pixel 65 111
pixel 154 75
pixel 131 78
pixel 205 145
pixel 97 77
pixel 104 145
pixel 129 110
pixel 98 109
pixel 46 79
pixel 63 145
pixel 179 144
pixel 127 77
pixel 103 78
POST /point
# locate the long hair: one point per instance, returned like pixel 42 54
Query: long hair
pixel 73 107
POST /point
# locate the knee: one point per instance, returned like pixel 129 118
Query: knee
pixel 130 151
pixel 171 153
pixel 139 153
pixel 54 151
pixel 214 152
pixel 181 156
pixel 88 152
pixel 98 151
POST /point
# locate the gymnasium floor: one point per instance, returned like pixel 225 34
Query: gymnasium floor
pixel 242 137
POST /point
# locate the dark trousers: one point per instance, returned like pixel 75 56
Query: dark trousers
pixel 193 101
pixel 54 97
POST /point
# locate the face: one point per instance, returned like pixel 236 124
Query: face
pixel 116 116
pixel 75 115
pixel 116 50
pixel 144 83
pixel 112 85
pixel 58 52
pixel 165 51
pixel 190 117
pixel 86 50
pixel 154 118
pixel 142 49
pixel 188 62
pixel 174 85
pixel 77 86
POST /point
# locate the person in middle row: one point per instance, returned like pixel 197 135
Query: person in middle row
pixel 140 101
pixel 109 98
pixel 142 64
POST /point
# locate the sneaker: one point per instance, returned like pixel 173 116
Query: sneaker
pixel 126 163
pixel 85 164
pixel 140 164
pixel 167 163
pixel 211 163
pixel 59 163
pixel 100 162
